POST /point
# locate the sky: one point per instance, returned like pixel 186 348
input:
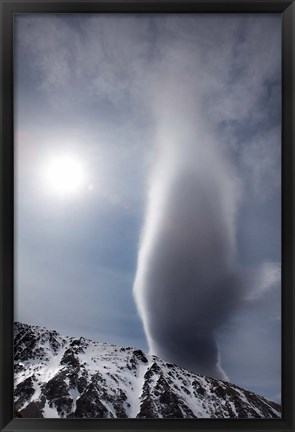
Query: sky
pixel 147 186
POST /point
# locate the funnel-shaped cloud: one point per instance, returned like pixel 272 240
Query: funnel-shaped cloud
pixel 187 284
pixel 206 88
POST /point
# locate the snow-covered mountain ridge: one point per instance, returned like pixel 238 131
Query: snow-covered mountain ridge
pixel 67 377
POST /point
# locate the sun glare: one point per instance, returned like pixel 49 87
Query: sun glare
pixel 64 175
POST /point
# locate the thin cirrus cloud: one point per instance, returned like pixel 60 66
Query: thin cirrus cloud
pixel 266 277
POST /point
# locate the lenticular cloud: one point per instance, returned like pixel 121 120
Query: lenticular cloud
pixel 187 283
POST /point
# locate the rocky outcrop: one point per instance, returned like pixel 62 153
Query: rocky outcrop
pixel 66 377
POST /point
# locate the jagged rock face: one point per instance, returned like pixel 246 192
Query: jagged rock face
pixel 66 377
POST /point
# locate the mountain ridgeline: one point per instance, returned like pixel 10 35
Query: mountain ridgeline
pixel 67 377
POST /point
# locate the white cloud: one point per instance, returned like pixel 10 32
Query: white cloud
pixel 188 280
pixel 262 158
pixel 265 278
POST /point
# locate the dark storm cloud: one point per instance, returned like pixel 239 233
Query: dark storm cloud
pixel 187 283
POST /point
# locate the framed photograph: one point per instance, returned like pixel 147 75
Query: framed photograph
pixel 147 215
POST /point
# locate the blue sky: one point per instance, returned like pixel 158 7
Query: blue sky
pixel 140 100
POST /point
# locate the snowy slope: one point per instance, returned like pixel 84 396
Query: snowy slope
pixel 68 377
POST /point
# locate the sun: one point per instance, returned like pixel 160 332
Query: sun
pixel 64 175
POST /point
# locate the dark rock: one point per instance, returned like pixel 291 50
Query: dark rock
pixel 81 384
pixel 120 398
pixel 90 406
pixel 63 405
pixel 56 387
pixel 23 392
pixel 147 410
pixel 140 356
pixel 34 409
pixel 70 359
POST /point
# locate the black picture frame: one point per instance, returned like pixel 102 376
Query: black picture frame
pixel 10 7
